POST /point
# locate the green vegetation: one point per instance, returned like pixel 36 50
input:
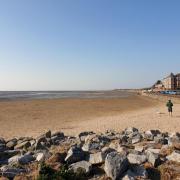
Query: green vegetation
pixel 46 173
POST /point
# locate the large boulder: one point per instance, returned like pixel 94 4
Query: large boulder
pixel 130 130
pixel 116 145
pixel 82 166
pixel 21 159
pixel 3 147
pixel 8 153
pixel 11 143
pixel 137 159
pixel 115 165
pixel 23 145
pixel 10 172
pixel 95 142
pixel 83 135
pixel 149 135
pixel 57 137
pixel 74 155
pixel 99 157
pixel 153 158
pixel 136 172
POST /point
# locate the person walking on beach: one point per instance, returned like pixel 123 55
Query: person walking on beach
pixel 170 107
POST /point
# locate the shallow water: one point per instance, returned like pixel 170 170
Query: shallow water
pixel 14 95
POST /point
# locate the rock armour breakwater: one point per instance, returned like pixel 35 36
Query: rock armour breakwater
pixel 129 154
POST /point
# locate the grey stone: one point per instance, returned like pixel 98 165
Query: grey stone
pixel 160 139
pixel 23 145
pixel 59 134
pixel 82 136
pixel 139 148
pixel 21 159
pixel 8 153
pixel 136 159
pixel 74 155
pixel 91 146
pixel 149 135
pixel 96 158
pixel 130 130
pixel 57 137
pixel 153 158
pixel 99 157
pixel 2 141
pixel 3 147
pixel 40 157
pixel 11 172
pixel 155 151
pixel 40 143
pixel 115 165
pixel 11 143
pixel 83 166
pixel 136 172
pixel 136 139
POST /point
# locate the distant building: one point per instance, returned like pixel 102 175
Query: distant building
pixel 171 82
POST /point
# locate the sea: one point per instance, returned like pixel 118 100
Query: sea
pixel 29 95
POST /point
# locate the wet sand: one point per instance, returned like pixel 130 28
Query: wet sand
pixel 33 117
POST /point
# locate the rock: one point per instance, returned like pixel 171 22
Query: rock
pixel 115 165
pixel 58 134
pixel 153 158
pixel 3 147
pixel 139 148
pixel 21 159
pixel 136 172
pixel 91 146
pixel 11 143
pixel 10 172
pixel 137 159
pixel 115 145
pixel 74 155
pixel 2 141
pixel 155 151
pixel 40 157
pixel 160 139
pixel 82 166
pixel 125 140
pixel 149 135
pixel 94 143
pixel 48 134
pixel 130 130
pixel 136 139
pixel 23 145
pixel 82 136
pixel 175 156
pixel 165 150
pixel 96 158
pixel 173 139
pixel 8 153
pixel 57 137
pixel 99 157
pixel 40 143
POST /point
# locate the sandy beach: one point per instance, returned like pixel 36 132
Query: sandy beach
pixel 33 117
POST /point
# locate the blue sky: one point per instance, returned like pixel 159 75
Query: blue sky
pixel 87 44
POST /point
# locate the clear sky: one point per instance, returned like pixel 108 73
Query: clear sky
pixel 87 44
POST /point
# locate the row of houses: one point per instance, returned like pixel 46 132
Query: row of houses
pixel 171 82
